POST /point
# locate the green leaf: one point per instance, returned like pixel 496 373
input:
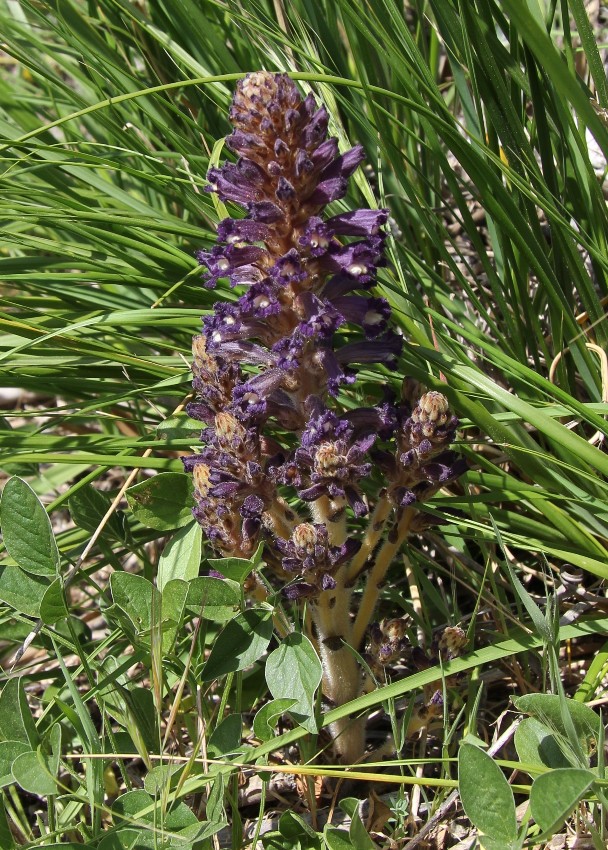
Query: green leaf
pixel 88 506
pixel 547 708
pixel 7 842
pixel 215 598
pixel 237 569
pixel 163 777
pixel 139 600
pixel 52 606
pixel 138 820
pixel 358 834
pixel 178 427
pixel 215 809
pixel 226 737
pixel 133 707
pixel 81 720
pixel 144 716
pixel 485 794
pixel 37 772
pixel 147 838
pixel 129 838
pixel 27 531
pixel 293 670
pixel 16 721
pixel 240 643
pixel 536 615
pixel 22 591
pixel 263 725
pixel 140 806
pixel 9 750
pixel 555 794
pixel 536 744
pixel 337 839
pixel 487 843
pixel 174 597
pixel 293 833
pixel 163 502
pixel 181 557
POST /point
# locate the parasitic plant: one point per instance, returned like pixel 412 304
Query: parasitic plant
pixel 289 456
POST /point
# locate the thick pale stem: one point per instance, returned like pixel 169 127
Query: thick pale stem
pixel 331 513
pixel 376 576
pixel 284 519
pixel 331 616
pixel 341 673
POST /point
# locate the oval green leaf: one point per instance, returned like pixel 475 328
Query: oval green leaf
pixel 485 794
pixel 163 502
pixel 53 607
pixel 538 745
pixel 293 670
pixel 9 750
pixel 16 721
pixel 88 506
pixel 264 720
pixel 554 795
pixel 237 569
pixel 34 773
pixel 240 643
pixel 226 737
pixel 22 591
pixel 181 557
pixel 138 598
pixel 214 598
pixel 27 531
pixel 547 708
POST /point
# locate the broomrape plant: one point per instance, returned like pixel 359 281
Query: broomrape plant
pixel 290 456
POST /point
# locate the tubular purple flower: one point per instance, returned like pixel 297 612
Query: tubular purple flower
pixel 372 314
pixel 358 222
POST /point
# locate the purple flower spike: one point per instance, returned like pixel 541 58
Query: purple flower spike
pixel 275 366
pixel 294 453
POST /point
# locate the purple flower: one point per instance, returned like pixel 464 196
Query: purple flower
pixel 235 262
pixel 309 554
pixel 331 460
pixel 372 314
pixel 388 642
pixel 232 490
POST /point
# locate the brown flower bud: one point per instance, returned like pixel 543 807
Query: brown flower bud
pixel 452 641
pixel 305 537
pixel 432 408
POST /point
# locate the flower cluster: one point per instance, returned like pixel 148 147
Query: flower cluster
pixel 446 646
pixel 387 643
pixel 282 460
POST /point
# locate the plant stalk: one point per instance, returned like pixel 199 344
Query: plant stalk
pixel 331 616
pixel 376 576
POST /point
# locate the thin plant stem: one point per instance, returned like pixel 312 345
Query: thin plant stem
pixel 376 576
pixel 373 534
